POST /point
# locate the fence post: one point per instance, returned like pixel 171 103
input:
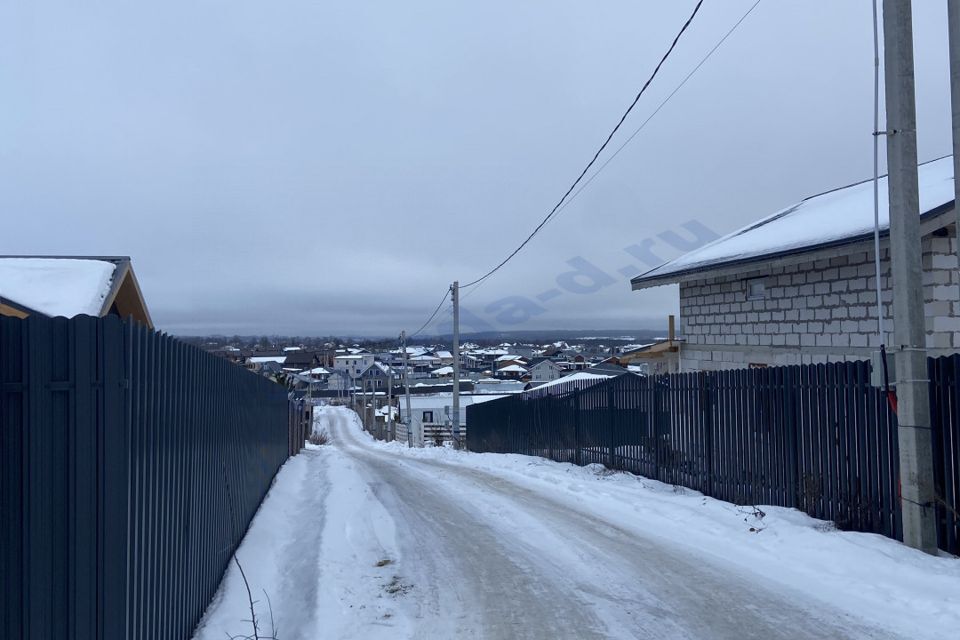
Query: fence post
pixel 655 424
pixel 790 391
pixel 708 424
pixel 114 458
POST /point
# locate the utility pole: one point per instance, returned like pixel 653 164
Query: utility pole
pixel 369 411
pixel 363 405
pixel 372 410
pixel 455 296
pixel 953 29
pixel 390 434
pixel 910 356
pixel 406 387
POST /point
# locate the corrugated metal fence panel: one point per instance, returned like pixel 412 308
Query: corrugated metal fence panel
pixel 131 466
pixel 11 478
pixel 945 410
pixel 816 437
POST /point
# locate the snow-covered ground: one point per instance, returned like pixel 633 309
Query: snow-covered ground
pixel 359 539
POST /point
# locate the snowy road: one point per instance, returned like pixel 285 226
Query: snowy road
pixel 372 541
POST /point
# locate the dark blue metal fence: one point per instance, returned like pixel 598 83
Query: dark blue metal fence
pixel 131 465
pixel 818 437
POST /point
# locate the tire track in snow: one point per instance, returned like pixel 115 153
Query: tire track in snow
pixel 640 587
pixel 469 582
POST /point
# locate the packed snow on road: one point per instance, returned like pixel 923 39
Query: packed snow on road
pixel 361 539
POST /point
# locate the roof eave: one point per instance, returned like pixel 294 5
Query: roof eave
pixel 642 282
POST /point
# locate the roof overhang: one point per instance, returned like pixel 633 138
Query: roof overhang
pixel 930 221
pixel 125 293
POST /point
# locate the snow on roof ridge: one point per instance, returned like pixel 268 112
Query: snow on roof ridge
pixel 574 377
pixel 814 221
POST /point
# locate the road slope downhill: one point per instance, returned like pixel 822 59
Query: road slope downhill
pixel 360 539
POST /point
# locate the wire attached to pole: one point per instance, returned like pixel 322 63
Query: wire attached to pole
pixel 891 396
pixel 662 104
pixel 586 183
pixel 432 315
pixel 596 155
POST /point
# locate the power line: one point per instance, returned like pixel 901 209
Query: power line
pixel 432 315
pixel 661 105
pixel 649 118
pixel 595 155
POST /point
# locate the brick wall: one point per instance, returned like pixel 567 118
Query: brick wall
pixel 823 310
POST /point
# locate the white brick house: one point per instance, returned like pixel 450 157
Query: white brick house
pixel 799 286
pixel 544 370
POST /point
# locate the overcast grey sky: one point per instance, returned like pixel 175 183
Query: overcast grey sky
pixel 318 167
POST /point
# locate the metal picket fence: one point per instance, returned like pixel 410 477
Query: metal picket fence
pixel 131 466
pixel 819 438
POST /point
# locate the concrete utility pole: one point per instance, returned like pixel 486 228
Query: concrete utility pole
pixel 406 387
pixel 372 411
pixel 390 434
pixel 913 412
pixel 455 296
pixel 953 28
pixel 363 406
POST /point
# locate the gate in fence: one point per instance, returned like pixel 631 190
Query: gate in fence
pixel 130 466
pixel 818 437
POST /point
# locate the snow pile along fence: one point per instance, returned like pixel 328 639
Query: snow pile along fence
pixel 131 465
pixel 817 437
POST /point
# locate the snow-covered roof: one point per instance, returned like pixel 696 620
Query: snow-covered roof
pixel 440 400
pixel 490 352
pixel 836 217
pixel 316 371
pixel 512 368
pixel 507 357
pixel 377 365
pixel 57 286
pixel 293 349
pixel 581 376
pixel 443 371
pixel 262 359
pixel 627 348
